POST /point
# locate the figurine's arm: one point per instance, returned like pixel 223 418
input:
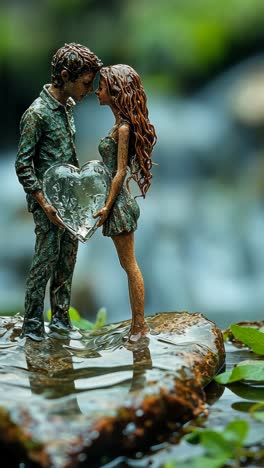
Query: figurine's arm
pixel 119 178
pixel 30 129
pixel 30 136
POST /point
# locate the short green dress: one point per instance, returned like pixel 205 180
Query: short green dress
pixel 125 210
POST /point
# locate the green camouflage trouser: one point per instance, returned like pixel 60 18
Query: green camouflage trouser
pixel 54 259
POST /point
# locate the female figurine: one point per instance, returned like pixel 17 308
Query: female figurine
pixel 128 145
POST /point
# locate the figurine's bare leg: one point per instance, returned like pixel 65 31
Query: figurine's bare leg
pixel 124 244
pixel 60 283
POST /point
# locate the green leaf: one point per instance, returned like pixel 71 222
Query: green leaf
pixel 224 378
pixel 193 437
pixel 206 462
pixel 259 416
pixel 236 432
pixel 215 444
pixel 74 314
pixel 169 464
pixel 250 336
pixel 226 334
pixel 100 318
pixel 82 323
pixel 213 441
pixel 253 372
pixel 256 414
pixel 197 462
pixel 220 446
pixel 248 392
pixel 243 406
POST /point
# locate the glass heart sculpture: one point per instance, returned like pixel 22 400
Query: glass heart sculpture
pixel 77 194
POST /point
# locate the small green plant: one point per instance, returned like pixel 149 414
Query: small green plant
pixel 256 413
pixel 219 446
pixel 249 370
pixel 245 371
pixel 226 447
pixel 251 337
pixel 82 323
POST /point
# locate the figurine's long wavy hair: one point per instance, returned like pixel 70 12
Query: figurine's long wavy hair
pixel 125 87
pixel 76 59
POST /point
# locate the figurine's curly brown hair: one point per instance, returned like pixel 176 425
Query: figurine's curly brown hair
pixel 125 86
pixel 76 59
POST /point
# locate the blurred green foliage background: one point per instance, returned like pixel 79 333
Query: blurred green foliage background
pixel 204 215
pixel 176 45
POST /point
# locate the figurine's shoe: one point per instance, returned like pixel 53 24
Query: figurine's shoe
pixel 33 336
pixel 62 328
pixel 60 323
pixel 33 329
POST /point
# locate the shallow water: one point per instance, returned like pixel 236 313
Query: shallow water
pixel 64 389
pixel 60 388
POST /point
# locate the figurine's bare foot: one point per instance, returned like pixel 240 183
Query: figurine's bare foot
pixel 137 332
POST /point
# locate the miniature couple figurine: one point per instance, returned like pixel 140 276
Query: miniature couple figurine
pixel 47 138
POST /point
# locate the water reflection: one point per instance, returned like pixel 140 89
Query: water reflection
pixel 56 368
pixel 51 371
pixel 95 392
pixel 141 363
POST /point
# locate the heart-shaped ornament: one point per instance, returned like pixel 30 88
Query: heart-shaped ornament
pixel 77 194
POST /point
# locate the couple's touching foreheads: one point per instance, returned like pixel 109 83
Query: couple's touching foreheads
pixel 47 138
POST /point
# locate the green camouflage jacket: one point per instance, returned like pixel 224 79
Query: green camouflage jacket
pixel 47 137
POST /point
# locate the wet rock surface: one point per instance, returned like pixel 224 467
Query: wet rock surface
pixel 65 401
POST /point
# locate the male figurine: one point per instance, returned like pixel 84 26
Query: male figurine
pixel 47 138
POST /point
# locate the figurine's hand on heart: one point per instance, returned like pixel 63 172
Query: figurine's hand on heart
pixel 48 209
pixel 52 215
pixel 104 212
